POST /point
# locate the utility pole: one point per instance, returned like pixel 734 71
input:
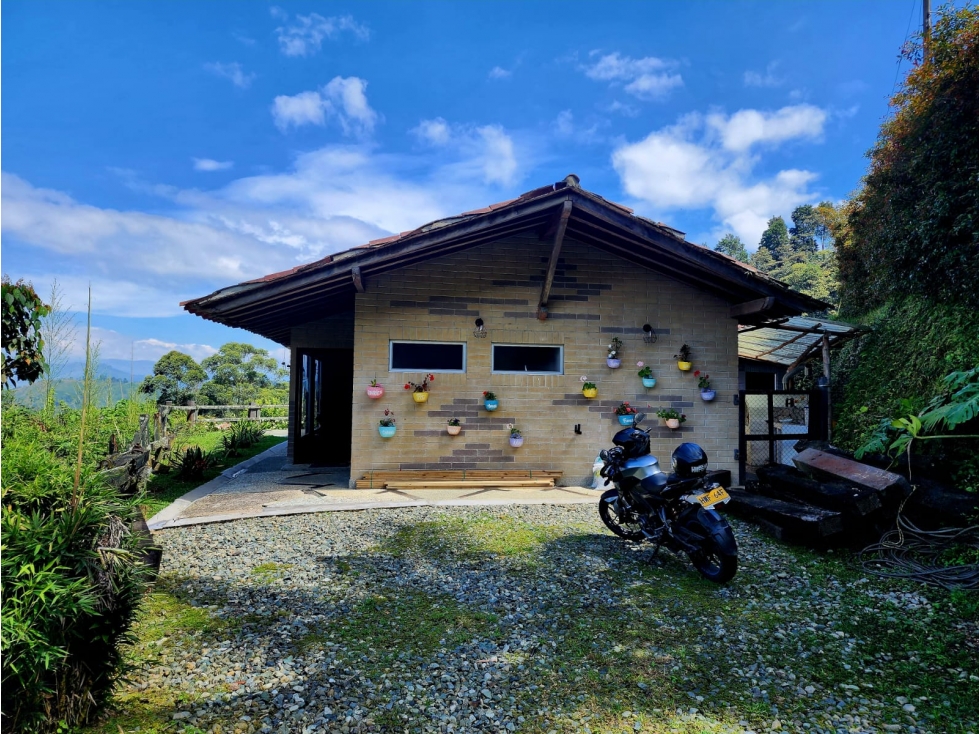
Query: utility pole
pixel 926 29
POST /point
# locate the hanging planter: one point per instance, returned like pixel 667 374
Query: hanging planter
pixel 420 389
pixel 683 359
pixel 646 374
pixel 386 427
pixel 626 414
pixel 516 438
pixel 706 392
pixel 454 427
pixel 613 360
pixel 588 389
pixel 672 417
pixel 375 391
pixel 489 401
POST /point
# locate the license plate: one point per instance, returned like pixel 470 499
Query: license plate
pixel 709 499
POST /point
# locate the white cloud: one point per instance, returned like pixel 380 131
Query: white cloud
pixel 342 98
pixel 746 128
pixel 305 35
pixel 232 71
pixel 708 161
pixel 498 72
pixel 564 123
pixel 115 345
pixel 209 164
pixel 648 78
pixel 487 151
pixel 766 79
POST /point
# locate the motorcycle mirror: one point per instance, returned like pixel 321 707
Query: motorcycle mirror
pixel 640 417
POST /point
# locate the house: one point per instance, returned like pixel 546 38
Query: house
pixel 520 298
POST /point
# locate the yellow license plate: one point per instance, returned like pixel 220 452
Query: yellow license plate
pixel 708 499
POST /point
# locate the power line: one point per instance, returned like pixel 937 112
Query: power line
pixel 907 35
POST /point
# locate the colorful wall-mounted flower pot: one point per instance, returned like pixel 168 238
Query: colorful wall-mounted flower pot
pixel 590 392
pixel 453 430
pixel 516 441
pixel 707 395
pixel 613 363
pixel 649 382
pixel 627 420
pixel 684 366
pixel 420 397
pixel 491 405
pixel 375 391
pixel 673 423
pixel 387 431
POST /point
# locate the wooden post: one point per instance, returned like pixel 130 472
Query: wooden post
pixel 545 293
pixel 254 412
pixel 828 403
pixel 926 30
pixel 192 414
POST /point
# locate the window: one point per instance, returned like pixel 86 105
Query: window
pixel 532 360
pixel 428 356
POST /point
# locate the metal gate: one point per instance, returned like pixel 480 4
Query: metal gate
pixel 771 421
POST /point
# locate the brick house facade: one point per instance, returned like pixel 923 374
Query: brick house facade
pixel 411 289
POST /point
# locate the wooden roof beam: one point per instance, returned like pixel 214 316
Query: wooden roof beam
pixel 358 281
pixel 752 308
pixel 562 226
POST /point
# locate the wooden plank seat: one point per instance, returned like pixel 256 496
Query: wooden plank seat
pixel 464 478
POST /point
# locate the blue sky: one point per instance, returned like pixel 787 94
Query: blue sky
pixel 162 150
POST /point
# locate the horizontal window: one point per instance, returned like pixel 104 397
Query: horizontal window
pixel 428 356
pixel 522 358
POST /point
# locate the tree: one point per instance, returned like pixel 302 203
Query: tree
pixel 805 224
pixel 775 238
pixel 176 377
pixel 915 223
pixel 827 214
pixel 238 373
pixel 763 260
pixel 732 246
pixel 23 343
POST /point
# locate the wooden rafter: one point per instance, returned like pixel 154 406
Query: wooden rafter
pixel 358 281
pixel 562 226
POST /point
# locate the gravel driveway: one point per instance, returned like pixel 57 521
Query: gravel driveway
pixel 531 619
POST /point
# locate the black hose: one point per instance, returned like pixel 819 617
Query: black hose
pixel 908 552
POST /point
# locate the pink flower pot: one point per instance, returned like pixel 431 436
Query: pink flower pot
pixel 453 430
pixel 375 391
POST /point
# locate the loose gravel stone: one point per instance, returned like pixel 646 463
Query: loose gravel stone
pixel 305 634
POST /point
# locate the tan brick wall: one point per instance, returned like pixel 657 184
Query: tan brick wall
pixel 595 296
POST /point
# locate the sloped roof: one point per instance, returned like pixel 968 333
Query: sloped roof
pixel 788 341
pixel 272 304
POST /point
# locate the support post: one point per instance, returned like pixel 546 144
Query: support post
pixel 827 401
pixel 254 412
pixel 192 414
pixel 357 279
pixel 552 263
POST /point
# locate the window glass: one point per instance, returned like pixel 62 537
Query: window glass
pixel 528 359
pixel 428 357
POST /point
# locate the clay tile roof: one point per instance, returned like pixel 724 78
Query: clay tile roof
pixel 382 241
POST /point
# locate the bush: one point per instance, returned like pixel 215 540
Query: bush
pixel 72 582
pixel 193 462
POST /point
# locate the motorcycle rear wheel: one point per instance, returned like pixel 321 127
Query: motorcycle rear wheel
pixel 625 527
pixel 713 563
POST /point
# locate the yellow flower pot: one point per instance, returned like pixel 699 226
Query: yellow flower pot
pixel 684 366
pixel 591 392
pixel 420 397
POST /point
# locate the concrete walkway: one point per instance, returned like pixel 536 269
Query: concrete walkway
pixel 268 485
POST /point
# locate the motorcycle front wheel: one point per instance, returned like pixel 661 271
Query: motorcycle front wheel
pixel 623 524
pixel 711 560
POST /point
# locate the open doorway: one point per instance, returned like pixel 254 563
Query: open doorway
pixel 324 407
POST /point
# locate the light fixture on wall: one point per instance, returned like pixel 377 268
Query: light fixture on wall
pixel 649 336
pixel 480 331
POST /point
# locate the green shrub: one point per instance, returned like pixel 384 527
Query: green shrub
pixel 72 581
pixel 193 462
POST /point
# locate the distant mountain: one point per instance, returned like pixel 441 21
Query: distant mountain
pixel 105 392
pixel 117 369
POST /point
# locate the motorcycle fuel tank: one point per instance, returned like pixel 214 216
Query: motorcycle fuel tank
pixel 639 469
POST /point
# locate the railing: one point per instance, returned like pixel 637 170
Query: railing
pixel 193 412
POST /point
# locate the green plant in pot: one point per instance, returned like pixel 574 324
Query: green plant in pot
pixel 454 426
pixel 387 426
pixel 516 437
pixel 683 358
pixel 706 391
pixel 673 417
pixel 588 389
pixel 646 374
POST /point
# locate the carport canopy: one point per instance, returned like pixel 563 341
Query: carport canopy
pixel 791 341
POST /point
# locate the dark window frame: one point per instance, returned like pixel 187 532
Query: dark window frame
pixel 558 347
pixel 392 368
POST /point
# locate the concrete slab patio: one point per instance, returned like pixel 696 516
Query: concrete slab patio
pixel 268 485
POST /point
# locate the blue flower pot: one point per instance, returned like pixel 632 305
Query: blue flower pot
pixel 491 405
pixel 649 382
pixel 387 431
pixel 613 363
pixel 707 395
pixel 626 420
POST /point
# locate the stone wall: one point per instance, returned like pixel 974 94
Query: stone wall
pixel 595 296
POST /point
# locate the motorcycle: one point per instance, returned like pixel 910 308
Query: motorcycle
pixel 675 510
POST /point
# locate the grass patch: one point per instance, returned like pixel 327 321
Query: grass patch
pixel 410 623
pixel 267 572
pixel 162 489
